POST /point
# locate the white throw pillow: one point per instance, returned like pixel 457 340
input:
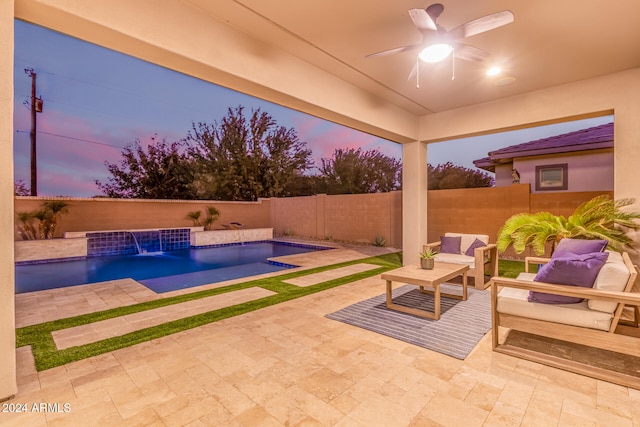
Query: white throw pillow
pixel 612 277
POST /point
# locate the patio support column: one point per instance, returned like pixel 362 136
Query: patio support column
pixel 414 200
pixel 8 385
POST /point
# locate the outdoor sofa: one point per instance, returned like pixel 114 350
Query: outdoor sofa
pixel 594 322
pixel 471 249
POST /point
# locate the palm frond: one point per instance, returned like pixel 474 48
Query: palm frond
pixel 598 218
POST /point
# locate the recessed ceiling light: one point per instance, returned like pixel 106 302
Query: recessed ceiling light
pixel 505 81
pixel 494 71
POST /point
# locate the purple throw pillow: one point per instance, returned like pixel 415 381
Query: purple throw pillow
pixel 574 270
pixel 578 247
pixel 476 244
pixel 450 245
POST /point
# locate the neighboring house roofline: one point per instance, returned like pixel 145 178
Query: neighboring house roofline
pixel 593 138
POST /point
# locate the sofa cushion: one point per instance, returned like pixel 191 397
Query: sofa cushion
pixel 573 270
pixel 613 276
pixel 456 259
pixel 467 239
pixel 578 247
pixel 450 244
pixel 476 244
pixel 515 302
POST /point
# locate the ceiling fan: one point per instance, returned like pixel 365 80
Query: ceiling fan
pixel 438 43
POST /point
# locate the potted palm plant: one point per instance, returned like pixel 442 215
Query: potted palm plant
pixel 427 260
pixel 598 218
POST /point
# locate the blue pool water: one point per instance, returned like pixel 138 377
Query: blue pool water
pixel 161 272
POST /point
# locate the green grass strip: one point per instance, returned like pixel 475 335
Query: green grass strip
pixel 47 356
pixel 509 268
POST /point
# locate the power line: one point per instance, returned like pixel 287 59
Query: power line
pixel 157 100
pixel 84 109
pixel 74 138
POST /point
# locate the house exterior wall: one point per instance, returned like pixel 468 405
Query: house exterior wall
pixel 8 385
pixel 173 36
pixel 587 171
pixel 503 176
pixel 616 94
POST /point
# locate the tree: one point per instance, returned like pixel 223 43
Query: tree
pixel 306 185
pixel 353 171
pixel 163 171
pixel 449 175
pixel 20 188
pixel 244 159
pixel 598 218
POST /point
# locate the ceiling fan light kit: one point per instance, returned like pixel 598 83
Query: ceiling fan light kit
pixel 494 71
pixel 438 43
pixel 435 52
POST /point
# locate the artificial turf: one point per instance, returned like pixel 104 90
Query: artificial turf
pixel 47 356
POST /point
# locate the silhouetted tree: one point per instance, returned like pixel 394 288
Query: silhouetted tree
pixel 306 185
pixel 353 171
pixel 244 159
pixel 163 171
pixel 20 188
pixel 448 176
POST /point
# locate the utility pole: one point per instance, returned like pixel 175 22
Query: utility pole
pixel 36 107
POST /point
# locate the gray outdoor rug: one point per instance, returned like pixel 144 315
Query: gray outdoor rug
pixel 462 323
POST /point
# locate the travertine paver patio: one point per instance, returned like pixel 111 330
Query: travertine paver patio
pixel 52 304
pixel 85 334
pixel 314 279
pixel 287 364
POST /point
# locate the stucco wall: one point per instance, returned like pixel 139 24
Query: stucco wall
pixel 617 94
pixel 129 214
pixel 351 217
pixel 484 210
pixel 7 309
pixel 591 171
pixel 173 36
pixel 587 171
pixel 503 175
pixel 363 217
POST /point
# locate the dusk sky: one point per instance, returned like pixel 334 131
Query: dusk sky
pixel 97 101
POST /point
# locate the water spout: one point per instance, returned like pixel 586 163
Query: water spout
pixel 135 240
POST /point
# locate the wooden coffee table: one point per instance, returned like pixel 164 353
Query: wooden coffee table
pixel 414 275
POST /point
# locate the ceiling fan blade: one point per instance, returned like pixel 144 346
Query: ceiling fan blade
pixel 434 11
pixel 481 25
pixel 394 50
pixel 469 53
pixel 414 72
pixel 422 20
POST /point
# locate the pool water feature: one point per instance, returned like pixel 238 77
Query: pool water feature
pixel 162 272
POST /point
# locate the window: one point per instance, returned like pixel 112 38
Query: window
pixel 551 177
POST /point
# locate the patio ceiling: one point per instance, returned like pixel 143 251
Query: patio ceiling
pixel 550 43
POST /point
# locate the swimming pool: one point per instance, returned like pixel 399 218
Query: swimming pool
pixel 162 271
